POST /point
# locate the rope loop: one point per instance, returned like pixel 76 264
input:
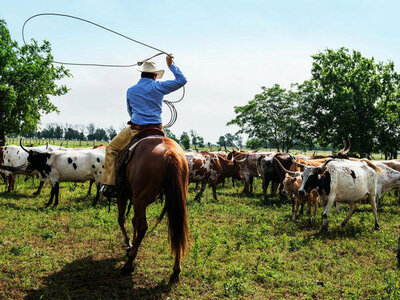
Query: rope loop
pixel 170 105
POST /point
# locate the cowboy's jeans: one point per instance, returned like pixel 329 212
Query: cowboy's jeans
pixel 116 145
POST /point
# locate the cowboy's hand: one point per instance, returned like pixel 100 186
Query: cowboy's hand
pixel 169 59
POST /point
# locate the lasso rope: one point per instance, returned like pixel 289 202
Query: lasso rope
pixel 169 103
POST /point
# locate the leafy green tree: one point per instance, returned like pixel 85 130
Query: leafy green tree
pixel 111 133
pixel 168 133
pixel 71 134
pixel 221 142
pixel 185 140
pixel 27 80
pixel 91 129
pixel 344 99
pixel 200 140
pixel 272 116
pixel 229 139
pixel 58 132
pixel 196 139
pixel 254 144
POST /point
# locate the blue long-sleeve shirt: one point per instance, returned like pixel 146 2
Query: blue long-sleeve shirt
pixel 144 100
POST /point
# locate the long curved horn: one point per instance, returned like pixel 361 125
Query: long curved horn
pixel 242 160
pixel 283 168
pixel 323 166
pixel 295 162
pixel 344 152
pixel 23 148
pixel 254 151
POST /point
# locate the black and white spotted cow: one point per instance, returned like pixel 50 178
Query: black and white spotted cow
pixel 74 165
pixel 14 157
pixel 342 181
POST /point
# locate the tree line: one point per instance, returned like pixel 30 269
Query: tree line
pixel 192 138
pixel 78 132
pixel 347 96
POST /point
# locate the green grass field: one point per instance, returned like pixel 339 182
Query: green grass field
pixel 241 247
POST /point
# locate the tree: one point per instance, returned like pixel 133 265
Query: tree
pixel 58 132
pixel 71 134
pixel 111 133
pixel 347 97
pixel 254 144
pixel 272 116
pixel 221 142
pixel 200 141
pixel 81 128
pixel 238 140
pixel 100 135
pixel 185 140
pixel 168 133
pixel 196 139
pixel 91 129
pixel 27 80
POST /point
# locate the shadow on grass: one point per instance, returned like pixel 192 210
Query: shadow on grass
pixel 97 279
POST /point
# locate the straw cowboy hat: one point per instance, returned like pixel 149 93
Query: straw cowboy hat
pixel 150 67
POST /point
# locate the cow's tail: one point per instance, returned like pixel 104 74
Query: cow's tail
pixel 175 189
pixel 373 166
pixel 259 167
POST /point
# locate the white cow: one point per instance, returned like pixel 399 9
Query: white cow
pixel 14 157
pixel 387 180
pixel 342 181
pixel 75 165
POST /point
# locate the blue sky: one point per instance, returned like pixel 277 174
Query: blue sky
pixel 226 49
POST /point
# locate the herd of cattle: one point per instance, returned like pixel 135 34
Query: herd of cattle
pixel 307 180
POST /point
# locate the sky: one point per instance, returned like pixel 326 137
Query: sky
pixel 226 49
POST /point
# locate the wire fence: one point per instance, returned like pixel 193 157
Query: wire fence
pixel 56 142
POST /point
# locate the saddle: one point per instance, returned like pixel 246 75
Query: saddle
pixel 126 154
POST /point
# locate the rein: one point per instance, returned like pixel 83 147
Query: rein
pixel 169 103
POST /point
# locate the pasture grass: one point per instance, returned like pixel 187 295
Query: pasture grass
pixel 241 247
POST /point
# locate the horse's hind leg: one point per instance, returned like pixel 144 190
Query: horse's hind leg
pixel 139 223
pixel 177 268
pixel 122 201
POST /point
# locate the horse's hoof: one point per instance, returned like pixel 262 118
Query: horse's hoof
pixel 174 277
pixel 127 269
pixel 377 227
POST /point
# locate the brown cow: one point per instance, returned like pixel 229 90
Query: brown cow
pixel 248 167
pixel 212 169
pixel 291 186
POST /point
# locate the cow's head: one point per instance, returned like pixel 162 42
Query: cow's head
pixel 291 183
pixel 37 161
pixel 238 163
pixel 290 177
pixel 310 177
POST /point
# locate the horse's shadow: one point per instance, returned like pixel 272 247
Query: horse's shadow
pixel 97 279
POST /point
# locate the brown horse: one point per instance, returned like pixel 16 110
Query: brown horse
pixel 157 166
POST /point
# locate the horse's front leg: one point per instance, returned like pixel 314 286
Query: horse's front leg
pixel 139 223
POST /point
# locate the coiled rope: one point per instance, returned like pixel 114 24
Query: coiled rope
pixel 169 103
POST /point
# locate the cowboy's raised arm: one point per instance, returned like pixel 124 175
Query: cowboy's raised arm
pixel 166 87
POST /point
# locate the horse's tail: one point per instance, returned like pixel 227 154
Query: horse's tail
pixel 175 189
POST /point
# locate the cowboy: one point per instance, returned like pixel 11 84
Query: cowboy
pixel 144 103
